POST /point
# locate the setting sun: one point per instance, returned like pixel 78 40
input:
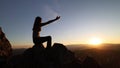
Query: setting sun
pixel 95 41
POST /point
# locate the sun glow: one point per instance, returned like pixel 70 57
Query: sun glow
pixel 95 41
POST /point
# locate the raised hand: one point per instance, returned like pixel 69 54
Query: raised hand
pixel 58 17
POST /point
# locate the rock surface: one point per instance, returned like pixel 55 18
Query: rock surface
pixel 5 49
pixel 5 46
pixel 57 56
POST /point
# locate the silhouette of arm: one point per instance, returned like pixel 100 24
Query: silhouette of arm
pixel 46 23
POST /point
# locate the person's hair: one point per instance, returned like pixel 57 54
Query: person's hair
pixel 37 22
pixel 37 19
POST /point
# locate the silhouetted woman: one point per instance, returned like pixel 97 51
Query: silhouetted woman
pixel 37 40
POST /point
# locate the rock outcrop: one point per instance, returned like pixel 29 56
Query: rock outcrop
pixel 5 46
pixel 57 56
pixel 5 49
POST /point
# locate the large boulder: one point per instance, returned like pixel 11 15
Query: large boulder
pixel 57 56
pixel 5 46
pixel 63 57
pixel 5 49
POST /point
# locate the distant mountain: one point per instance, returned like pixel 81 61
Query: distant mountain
pixel 107 58
pixel 88 46
pixel 78 46
pixel 111 46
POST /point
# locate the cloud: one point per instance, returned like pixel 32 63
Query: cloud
pixel 50 12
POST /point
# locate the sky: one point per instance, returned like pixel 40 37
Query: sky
pixel 80 20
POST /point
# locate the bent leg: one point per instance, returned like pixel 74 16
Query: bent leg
pixel 40 40
pixel 49 41
pixel 44 39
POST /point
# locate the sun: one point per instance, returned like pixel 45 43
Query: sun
pixel 95 41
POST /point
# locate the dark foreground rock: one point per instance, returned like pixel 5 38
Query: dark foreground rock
pixel 5 46
pixel 5 49
pixel 57 56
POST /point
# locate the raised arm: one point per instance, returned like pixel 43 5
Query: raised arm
pixel 50 21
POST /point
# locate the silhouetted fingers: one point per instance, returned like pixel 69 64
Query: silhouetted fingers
pixel 58 17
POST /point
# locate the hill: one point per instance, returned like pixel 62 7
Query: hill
pixel 107 56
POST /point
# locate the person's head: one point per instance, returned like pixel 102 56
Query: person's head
pixel 38 19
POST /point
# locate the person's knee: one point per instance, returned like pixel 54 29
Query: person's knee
pixel 49 37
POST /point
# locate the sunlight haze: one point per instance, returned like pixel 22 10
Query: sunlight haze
pixel 95 41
